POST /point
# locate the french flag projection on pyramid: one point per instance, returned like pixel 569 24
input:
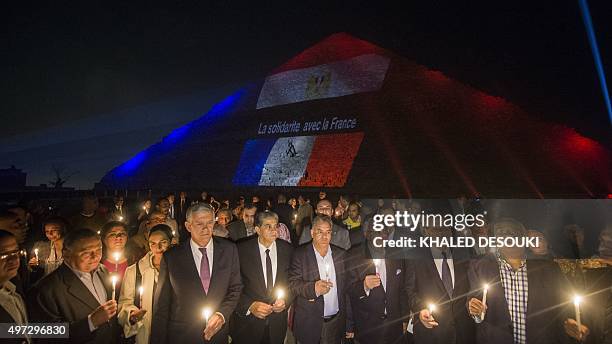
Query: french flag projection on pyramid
pixel 298 161
pixel 318 160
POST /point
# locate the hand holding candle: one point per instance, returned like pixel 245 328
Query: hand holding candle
pixel 426 316
pixel 577 301
pixel 279 305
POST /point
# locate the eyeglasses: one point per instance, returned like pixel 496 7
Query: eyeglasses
pixel 117 235
pixel 10 255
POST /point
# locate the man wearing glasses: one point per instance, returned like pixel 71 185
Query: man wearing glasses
pixel 78 292
pixel 12 307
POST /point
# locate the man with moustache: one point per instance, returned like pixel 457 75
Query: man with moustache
pixel 201 274
pixel 12 307
pixel 318 279
pixel 78 292
pixel 261 314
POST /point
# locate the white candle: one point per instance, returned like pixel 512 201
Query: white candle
pixel 432 308
pixel 36 254
pixel 114 281
pixel 206 313
pixel 484 299
pixel 280 294
pixel 140 292
pixel 577 300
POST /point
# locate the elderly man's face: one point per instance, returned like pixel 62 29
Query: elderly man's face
pixel 325 208
pixel 248 216
pixel 200 225
pixel 268 230
pixel 85 255
pixel 321 234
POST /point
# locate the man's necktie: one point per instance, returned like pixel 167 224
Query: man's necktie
pixel 269 279
pixel 204 270
pixel 447 279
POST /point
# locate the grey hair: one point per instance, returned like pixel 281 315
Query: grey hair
pixel 264 215
pixel 508 227
pixel 322 218
pixel 199 207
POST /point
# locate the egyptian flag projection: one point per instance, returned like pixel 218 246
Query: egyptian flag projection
pixel 349 115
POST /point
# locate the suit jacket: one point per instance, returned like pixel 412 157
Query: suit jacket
pixel 303 273
pixel 368 311
pixel 181 216
pixel 545 302
pixel 180 297
pixel 248 328
pixel 5 317
pixel 424 286
pixel 62 297
pixel 237 230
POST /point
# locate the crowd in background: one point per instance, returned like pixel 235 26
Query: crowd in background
pixel 117 272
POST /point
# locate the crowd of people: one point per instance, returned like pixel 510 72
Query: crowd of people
pixel 283 270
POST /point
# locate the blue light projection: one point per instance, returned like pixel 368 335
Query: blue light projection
pixel 218 111
pixel 588 23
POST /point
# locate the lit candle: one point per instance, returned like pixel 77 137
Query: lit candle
pixel 280 294
pixel 484 299
pixel 432 308
pixel 120 218
pixel 36 254
pixel 117 256
pixel 206 313
pixel 140 292
pixel 577 300
pixel 144 207
pixel 173 233
pixel 98 232
pixel 114 282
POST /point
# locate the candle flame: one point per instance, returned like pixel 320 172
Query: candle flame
pixel 141 290
pixel 114 280
pixel 280 294
pixel 577 300
pixel 36 251
pixel 206 313
pixel 486 287
pixel 431 307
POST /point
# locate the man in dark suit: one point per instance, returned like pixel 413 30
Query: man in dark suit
pixel 200 276
pixel 261 314
pixel 525 299
pixel 377 294
pixel 318 279
pixel 78 292
pixel 437 279
pixel 244 227
pixel 12 307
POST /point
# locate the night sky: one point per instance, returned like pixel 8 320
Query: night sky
pixel 65 62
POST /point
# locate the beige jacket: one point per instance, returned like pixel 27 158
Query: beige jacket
pixel 141 329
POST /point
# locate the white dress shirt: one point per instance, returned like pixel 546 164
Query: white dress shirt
pixel 330 300
pixel 273 255
pixel 197 254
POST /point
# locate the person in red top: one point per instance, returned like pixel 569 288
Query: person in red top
pixel 117 257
